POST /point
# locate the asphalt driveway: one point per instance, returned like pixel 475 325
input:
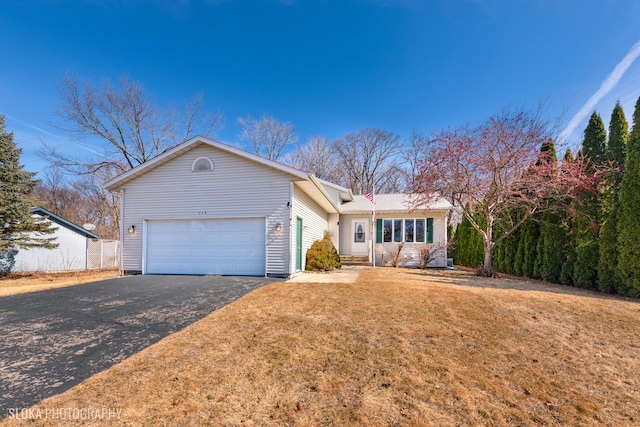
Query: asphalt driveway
pixel 55 339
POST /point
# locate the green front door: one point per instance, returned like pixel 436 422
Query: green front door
pixel 298 243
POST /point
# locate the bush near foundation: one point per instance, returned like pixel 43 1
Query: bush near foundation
pixel 322 255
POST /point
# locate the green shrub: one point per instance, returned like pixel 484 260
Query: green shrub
pixel 322 255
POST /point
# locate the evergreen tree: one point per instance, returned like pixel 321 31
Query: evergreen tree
pixel 469 250
pixel 586 232
pixel 566 271
pixel 462 241
pixel 504 252
pixel 595 140
pixel 547 220
pixel 608 279
pixel 17 227
pixel 510 245
pixel 554 235
pixel 525 253
pixel 628 224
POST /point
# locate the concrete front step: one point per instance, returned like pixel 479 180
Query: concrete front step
pixel 354 260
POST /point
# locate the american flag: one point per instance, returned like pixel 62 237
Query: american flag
pixel 370 197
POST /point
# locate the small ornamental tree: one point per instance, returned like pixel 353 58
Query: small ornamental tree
pixel 497 168
pixel 18 229
pixel 322 255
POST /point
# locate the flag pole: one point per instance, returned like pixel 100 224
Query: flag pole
pixel 373 226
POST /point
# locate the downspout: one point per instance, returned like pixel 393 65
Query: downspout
pixel 122 232
pixel 289 252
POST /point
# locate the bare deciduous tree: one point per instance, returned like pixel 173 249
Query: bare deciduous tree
pixel 369 158
pixel 316 157
pixel 129 128
pixel 81 201
pixel 415 150
pixel 267 136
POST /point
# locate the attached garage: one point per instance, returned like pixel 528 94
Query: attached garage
pixel 233 246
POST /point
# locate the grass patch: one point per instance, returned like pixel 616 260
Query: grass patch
pixel 20 283
pixel 400 346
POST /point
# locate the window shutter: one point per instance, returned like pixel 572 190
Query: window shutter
pixel 429 230
pixel 378 230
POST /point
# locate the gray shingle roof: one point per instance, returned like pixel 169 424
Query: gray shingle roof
pixel 393 203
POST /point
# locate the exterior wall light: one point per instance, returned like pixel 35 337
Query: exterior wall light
pixel 279 227
pixel 132 229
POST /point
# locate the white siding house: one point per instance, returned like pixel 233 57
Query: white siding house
pixel 71 253
pixel 400 219
pixel 204 207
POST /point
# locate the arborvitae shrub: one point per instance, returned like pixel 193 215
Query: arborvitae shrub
pixel 322 255
pixel 628 224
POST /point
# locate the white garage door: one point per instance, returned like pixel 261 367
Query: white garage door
pixel 209 246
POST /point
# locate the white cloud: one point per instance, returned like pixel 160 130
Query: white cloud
pixel 607 85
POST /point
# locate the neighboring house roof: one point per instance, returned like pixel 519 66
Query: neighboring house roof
pixel 308 182
pixel 63 222
pixel 394 203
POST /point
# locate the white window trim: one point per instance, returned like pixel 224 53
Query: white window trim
pixel 193 165
pixel 402 220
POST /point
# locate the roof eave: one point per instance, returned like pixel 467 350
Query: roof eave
pixel 63 222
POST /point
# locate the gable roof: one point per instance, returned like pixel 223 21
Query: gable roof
pixel 117 182
pixel 63 222
pixel 394 203
pixel 307 182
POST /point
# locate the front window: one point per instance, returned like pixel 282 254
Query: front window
pixel 408 230
pixel 397 230
pixel 387 233
pixel 419 230
pixel 411 230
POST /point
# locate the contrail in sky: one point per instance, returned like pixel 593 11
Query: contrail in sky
pixel 609 83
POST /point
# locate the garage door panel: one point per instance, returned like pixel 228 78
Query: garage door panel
pixel 212 246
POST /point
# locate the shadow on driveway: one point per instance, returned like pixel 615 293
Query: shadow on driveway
pixel 55 339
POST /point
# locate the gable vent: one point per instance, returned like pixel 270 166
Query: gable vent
pixel 202 164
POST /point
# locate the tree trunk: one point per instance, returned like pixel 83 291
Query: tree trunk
pixel 487 267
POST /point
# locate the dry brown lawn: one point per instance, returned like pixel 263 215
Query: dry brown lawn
pixel 399 347
pixel 19 283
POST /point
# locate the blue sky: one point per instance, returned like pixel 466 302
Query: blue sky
pixel 329 67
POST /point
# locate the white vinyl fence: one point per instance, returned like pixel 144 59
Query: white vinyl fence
pixel 103 254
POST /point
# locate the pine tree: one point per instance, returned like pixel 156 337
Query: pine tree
pixel 628 224
pixel 18 229
pixel 608 279
pixel 586 232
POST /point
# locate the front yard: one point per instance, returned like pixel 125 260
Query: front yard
pixel 399 347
